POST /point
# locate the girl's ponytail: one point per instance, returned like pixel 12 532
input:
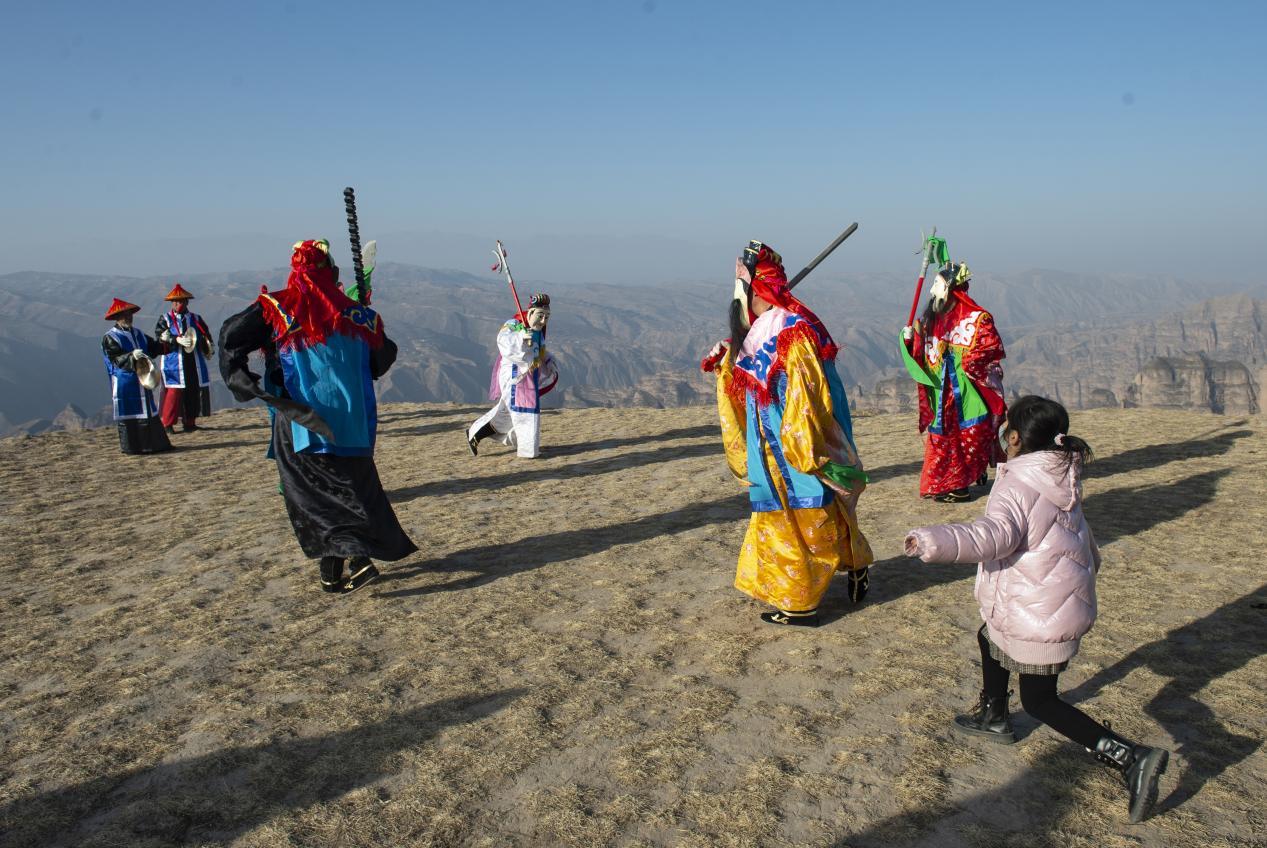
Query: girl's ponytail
pixel 1072 447
pixel 1043 425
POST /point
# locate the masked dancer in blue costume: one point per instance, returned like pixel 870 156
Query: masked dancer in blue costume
pixel 330 350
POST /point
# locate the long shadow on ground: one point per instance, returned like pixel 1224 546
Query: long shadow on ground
pixel 490 562
pixel 1151 456
pixel 535 474
pixel 607 444
pixel 431 413
pixel 1127 511
pixel 219 796
pixel 261 443
pixel 454 427
pixel 886 472
pixel 1192 657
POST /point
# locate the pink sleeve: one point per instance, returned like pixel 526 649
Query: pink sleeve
pixel 995 535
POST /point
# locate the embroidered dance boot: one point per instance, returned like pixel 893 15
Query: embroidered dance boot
pixel 859 583
pixel 332 574
pixel 989 719
pixel 809 618
pixel 957 496
pixel 1141 768
pixel 363 572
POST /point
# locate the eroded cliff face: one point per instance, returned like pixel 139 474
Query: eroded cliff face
pixel 1210 356
pixel 1195 382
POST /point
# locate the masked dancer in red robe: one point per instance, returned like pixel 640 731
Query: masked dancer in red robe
pixel 955 355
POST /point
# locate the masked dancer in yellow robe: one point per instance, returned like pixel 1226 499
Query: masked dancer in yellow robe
pixel 789 438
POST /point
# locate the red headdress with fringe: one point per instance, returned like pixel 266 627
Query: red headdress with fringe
pixel 312 307
pixel 769 282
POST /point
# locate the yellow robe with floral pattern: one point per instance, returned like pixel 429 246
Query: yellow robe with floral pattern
pixel 789 555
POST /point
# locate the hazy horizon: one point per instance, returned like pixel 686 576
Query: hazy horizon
pixel 635 140
pixel 465 254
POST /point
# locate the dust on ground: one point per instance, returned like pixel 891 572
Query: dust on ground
pixel 565 662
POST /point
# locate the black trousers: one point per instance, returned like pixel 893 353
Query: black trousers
pixel 1039 698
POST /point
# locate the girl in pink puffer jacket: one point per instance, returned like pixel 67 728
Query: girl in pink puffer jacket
pixel 1036 587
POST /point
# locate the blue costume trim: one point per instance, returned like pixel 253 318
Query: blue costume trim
pixel 804 491
pixel 535 377
pixel 130 399
pixel 950 372
pixel 173 363
pixel 334 379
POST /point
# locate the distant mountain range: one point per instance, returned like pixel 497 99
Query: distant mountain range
pixel 1090 340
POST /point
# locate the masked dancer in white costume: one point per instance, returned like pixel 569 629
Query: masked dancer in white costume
pixel 523 373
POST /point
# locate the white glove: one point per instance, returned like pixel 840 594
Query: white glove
pixel 717 350
pixel 166 336
pixel 138 354
pixel 908 333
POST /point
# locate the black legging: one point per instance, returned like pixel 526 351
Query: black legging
pixel 1039 699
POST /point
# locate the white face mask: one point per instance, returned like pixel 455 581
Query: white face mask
pixel 939 293
pixel 537 317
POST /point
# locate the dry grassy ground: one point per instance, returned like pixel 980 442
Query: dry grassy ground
pixel 566 663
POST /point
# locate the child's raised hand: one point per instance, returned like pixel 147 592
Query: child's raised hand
pixel 911 546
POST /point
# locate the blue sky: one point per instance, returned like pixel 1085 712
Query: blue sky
pixel 181 137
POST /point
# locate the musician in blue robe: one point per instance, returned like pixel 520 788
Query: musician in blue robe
pixel 186 381
pixel 126 351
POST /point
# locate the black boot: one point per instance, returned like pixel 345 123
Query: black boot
pixel 859 583
pixel 473 442
pixel 363 571
pixel 989 719
pixel 1141 768
pixel 332 574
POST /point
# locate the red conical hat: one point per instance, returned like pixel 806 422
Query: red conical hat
pixel 120 307
pixel 178 293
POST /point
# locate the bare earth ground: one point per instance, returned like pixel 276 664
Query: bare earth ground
pixel 566 663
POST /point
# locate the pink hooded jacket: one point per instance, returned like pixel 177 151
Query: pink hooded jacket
pixel 1038 559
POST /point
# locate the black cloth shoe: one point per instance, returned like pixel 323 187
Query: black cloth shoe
pixel 984 478
pixel 363 572
pixel 332 575
pixel 171 431
pixel 859 583
pixel 189 428
pixel 957 496
pixel 988 719
pixel 797 619
pixel 472 442
pixel 1141 768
